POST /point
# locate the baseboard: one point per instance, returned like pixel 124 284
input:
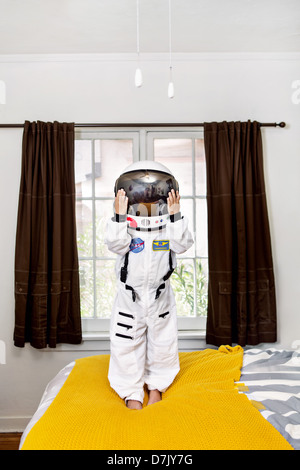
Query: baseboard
pixel 14 424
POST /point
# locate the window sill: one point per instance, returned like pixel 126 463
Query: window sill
pixel 188 340
pixel 98 341
pixel 104 335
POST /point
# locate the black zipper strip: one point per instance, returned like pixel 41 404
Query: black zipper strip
pixel 127 287
pixel 126 315
pixel 158 290
pixel 163 315
pixel 125 326
pixel 124 336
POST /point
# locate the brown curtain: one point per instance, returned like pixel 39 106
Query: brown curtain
pixel 241 303
pixel 47 305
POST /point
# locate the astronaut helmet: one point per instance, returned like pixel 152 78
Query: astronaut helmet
pixel 147 185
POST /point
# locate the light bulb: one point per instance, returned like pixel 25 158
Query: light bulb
pixel 138 79
pixel 171 90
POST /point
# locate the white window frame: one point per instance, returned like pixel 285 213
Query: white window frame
pixel 196 322
pixel 143 148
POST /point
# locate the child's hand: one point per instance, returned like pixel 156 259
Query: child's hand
pixel 173 202
pixel 121 202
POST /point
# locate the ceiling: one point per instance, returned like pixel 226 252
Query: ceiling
pixel 109 26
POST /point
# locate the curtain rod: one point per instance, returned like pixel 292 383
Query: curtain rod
pixel 182 124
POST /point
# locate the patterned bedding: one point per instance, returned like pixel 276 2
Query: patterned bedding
pixel 270 378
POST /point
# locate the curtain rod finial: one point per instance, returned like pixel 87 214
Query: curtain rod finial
pixel 281 124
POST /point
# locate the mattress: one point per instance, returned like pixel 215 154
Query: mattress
pixel 270 379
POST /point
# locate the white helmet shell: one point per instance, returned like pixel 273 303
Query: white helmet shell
pixel 147 165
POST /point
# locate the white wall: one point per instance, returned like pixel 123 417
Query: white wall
pixel 98 89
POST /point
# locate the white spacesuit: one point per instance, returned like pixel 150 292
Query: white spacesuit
pixel 143 333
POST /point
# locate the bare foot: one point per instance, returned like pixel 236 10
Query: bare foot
pixel 154 396
pixel 134 405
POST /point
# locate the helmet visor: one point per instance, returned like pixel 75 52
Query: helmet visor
pixel 147 191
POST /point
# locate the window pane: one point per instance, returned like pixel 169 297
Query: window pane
pixel 200 167
pixel 84 221
pixel 111 157
pixel 105 287
pixel 104 211
pixel 182 282
pixel 201 228
pixel 186 207
pixel 201 286
pixel 83 168
pixel 86 275
pixel 176 154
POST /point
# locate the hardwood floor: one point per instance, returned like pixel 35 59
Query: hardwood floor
pixel 10 440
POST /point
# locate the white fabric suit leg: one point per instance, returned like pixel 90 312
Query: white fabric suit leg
pixel 128 347
pixel 144 345
pixel 162 362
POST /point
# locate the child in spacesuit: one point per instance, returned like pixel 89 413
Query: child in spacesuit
pixel 145 232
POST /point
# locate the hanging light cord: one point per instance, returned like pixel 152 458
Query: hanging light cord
pixel 138 28
pixel 138 73
pixel 170 38
pixel 171 85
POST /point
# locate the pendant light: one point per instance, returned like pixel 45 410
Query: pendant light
pixel 171 84
pixel 138 79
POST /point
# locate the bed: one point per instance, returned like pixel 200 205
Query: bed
pixel 228 398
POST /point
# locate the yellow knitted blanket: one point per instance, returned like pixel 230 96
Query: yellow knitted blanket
pixel 202 409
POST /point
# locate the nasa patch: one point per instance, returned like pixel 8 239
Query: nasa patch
pixel 137 245
pixel 161 245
